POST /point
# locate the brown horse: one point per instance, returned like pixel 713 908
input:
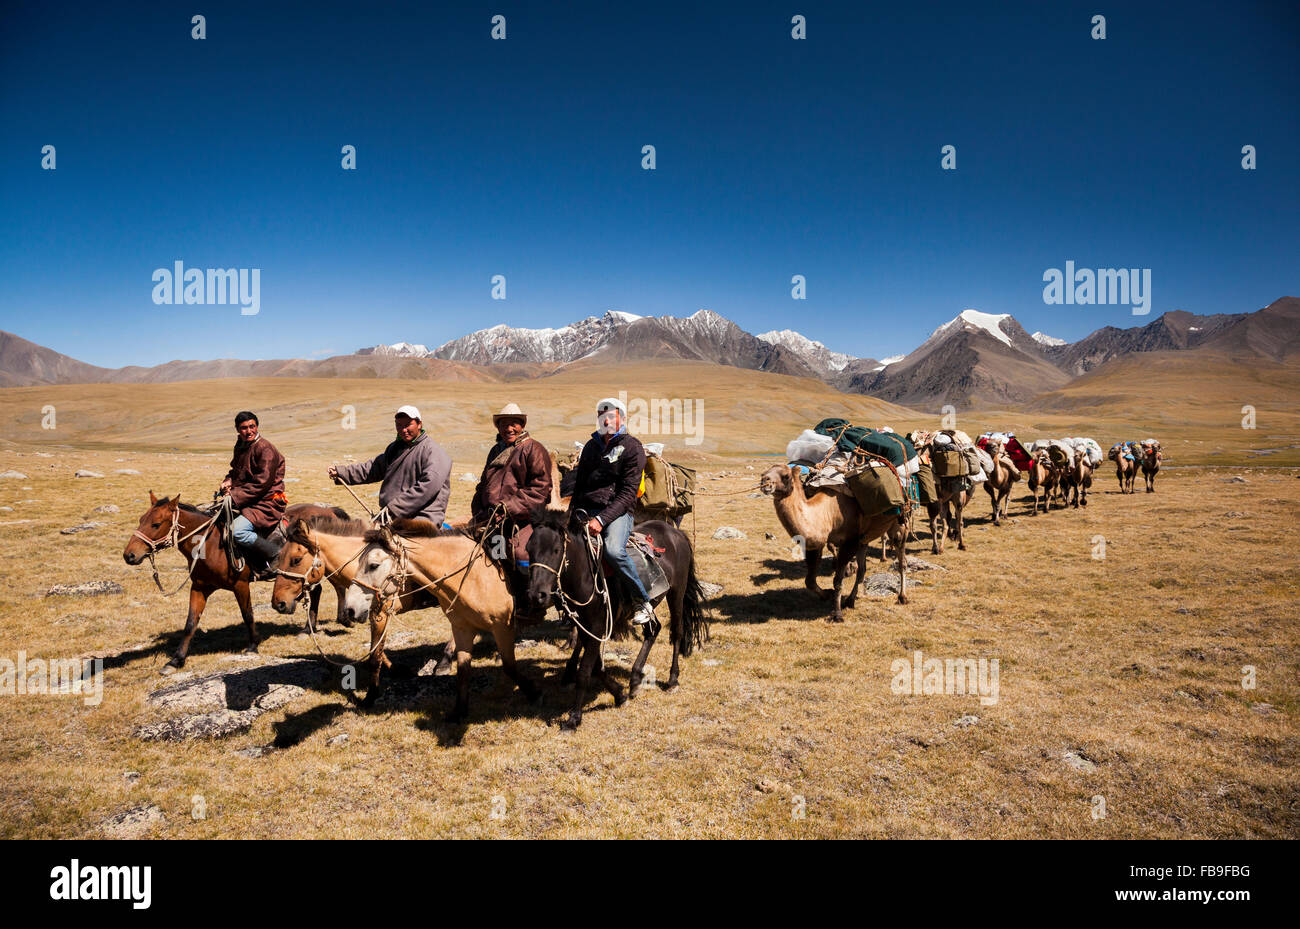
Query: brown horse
pixel 196 535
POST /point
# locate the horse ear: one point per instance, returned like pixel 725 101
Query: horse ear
pixel 153 498
pixel 176 500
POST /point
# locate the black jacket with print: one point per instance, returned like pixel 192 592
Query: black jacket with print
pixel 608 477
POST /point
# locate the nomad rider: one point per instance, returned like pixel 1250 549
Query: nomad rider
pixel 415 470
pixel 517 479
pixel 608 475
pixel 255 485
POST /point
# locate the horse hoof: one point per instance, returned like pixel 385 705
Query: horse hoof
pixel 620 699
pixel 848 603
pixel 170 667
pixel 249 650
pixel 571 722
pixel 835 619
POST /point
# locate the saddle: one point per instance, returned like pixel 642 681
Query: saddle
pixel 645 554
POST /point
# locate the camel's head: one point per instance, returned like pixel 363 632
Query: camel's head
pixel 777 481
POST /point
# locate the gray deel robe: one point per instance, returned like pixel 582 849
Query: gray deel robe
pixel 416 478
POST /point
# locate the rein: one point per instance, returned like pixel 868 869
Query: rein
pixel 567 601
pixel 174 538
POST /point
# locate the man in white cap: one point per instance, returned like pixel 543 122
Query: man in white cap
pixel 608 475
pixel 415 470
pixel 516 479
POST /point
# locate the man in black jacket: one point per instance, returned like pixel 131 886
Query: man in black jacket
pixel 608 476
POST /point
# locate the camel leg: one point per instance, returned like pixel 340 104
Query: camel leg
pixel 198 600
pixel 811 559
pixel 957 515
pixel 244 597
pixel 902 569
pixel 464 638
pixel 861 559
pixel 504 634
pixel 936 529
pixel 843 555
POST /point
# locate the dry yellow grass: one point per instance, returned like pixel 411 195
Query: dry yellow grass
pixel 1133 662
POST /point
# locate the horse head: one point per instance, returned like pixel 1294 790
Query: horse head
pixel 298 568
pixel 547 551
pixel 156 529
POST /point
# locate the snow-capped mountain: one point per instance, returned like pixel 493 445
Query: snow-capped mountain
pixel 399 349
pixel 807 349
pixel 1042 338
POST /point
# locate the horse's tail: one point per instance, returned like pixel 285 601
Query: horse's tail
pixel 340 512
pixel 695 622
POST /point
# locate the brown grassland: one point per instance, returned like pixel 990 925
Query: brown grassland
pixel 1120 678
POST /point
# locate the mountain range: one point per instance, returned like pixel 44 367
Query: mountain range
pixel 974 359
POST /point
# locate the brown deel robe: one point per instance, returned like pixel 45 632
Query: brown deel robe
pixel 519 478
pixel 257 482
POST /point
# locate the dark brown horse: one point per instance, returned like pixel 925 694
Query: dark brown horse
pixel 562 567
pixel 197 535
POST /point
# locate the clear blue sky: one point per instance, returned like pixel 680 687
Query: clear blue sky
pixel 775 157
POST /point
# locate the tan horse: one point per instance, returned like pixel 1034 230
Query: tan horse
pixel 406 562
pixel 316 549
pixel 169 523
pixel 1125 467
pixel 1044 476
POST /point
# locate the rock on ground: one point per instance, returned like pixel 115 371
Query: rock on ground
pixel 16 475
pixel 711 590
pixel 132 823
pixel 106 508
pixel 728 532
pixel 1078 762
pixel 217 705
pixel 84 527
pixel 885 585
pixel 85 589
pixel 126 471
pixel 86 472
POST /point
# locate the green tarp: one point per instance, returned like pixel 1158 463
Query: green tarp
pixel 895 448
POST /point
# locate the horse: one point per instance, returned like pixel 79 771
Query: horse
pixel 562 567
pixel 409 564
pixel 167 523
pixel 318 547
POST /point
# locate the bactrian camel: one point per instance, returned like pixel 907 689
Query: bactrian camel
pixel 1077 478
pixel 999 482
pixel 830 518
pixel 1125 467
pixel 1151 457
pixel 1045 477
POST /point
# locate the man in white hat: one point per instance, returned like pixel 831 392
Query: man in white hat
pixel 608 476
pixel 415 470
pixel 516 479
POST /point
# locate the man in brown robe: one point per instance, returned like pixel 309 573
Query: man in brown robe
pixel 515 480
pixel 255 485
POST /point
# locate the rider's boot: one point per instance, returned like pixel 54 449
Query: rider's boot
pixel 261 557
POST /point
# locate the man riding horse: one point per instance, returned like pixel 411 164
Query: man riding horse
pixel 415 470
pixel 515 480
pixel 608 474
pixel 255 485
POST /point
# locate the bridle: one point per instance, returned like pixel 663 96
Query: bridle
pixel 174 538
pixel 567 602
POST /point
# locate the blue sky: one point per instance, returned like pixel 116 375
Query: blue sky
pixel 522 157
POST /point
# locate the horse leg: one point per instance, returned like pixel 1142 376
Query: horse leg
pixel 464 638
pixel 634 683
pixel 448 656
pixel 570 673
pixel 504 633
pixel 590 652
pixel 198 600
pixel 340 614
pixel 244 597
pixel 378 624
pixel 614 689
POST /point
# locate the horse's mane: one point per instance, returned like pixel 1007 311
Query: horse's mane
pixel 329 525
pixel 545 517
pixel 187 507
pixel 412 529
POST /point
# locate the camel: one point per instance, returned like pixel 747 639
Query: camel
pixel 831 518
pixel 1077 478
pixel 946 515
pixel 1151 458
pixel 1044 476
pixel 998 484
pixel 1125 467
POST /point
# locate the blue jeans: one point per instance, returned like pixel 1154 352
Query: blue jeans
pixel 615 536
pixel 243 531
